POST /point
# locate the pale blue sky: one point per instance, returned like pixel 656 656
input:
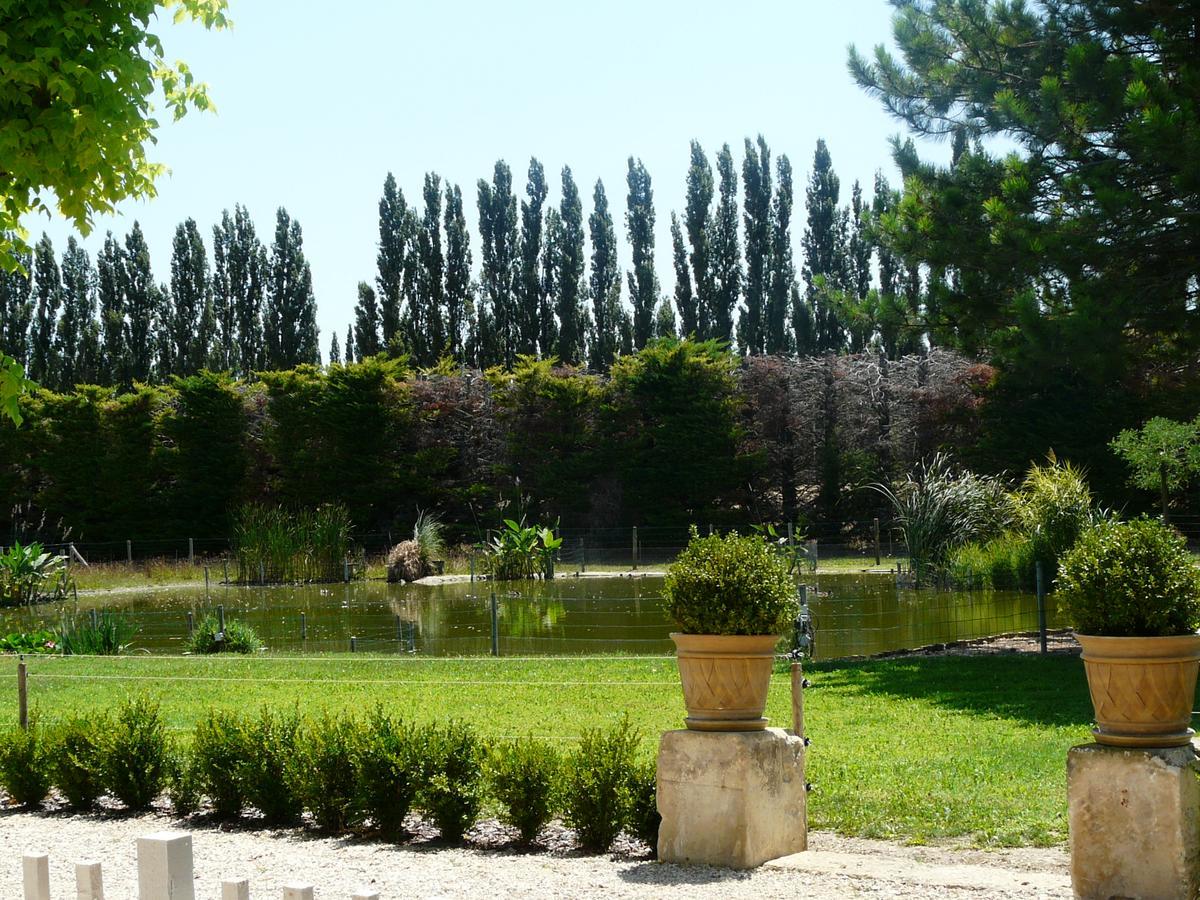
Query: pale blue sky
pixel 317 102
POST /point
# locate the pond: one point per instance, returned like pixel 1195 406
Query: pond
pixel 854 615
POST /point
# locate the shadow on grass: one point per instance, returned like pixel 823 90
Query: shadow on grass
pixel 1041 690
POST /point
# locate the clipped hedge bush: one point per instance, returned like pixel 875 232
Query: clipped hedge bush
pixel 135 757
pixel 524 775
pixel 729 584
pixel 328 775
pixel 270 776
pixel 221 749
pixel 391 770
pixel 453 789
pixel 644 818
pixel 597 790
pixel 25 765
pixel 75 759
pixel 1130 579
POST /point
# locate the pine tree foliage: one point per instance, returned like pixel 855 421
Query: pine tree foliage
pixel 604 283
pixel 726 252
pixel 643 279
pixel 756 185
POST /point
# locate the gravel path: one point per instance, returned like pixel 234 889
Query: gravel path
pixel 833 868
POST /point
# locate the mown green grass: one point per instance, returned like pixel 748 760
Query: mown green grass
pixel 971 749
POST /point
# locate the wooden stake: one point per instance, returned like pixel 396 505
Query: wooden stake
pixel 22 695
pixel 797 699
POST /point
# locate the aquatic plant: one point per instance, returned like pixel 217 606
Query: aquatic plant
pixel 275 544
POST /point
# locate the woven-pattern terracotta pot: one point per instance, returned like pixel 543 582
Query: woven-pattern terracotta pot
pixel 1142 688
pixel 725 679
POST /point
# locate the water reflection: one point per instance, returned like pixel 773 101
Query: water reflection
pixel 855 615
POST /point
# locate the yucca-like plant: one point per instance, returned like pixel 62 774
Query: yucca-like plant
pixel 30 574
pixel 428 534
pixel 1054 506
pixel 939 507
pixel 108 635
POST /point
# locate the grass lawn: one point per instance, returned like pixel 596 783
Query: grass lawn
pixel 965 748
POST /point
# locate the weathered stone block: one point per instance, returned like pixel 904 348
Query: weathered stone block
pixel 733 799
pixel 165 867
pixel 89 881
pixel 1134 816
pixel 35 871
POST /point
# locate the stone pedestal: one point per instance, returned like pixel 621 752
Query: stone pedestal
pixel 1135 822
pixel 733 799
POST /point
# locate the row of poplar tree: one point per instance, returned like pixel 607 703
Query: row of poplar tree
pixel 537 291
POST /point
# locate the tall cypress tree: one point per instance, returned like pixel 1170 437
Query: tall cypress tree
pixel 351 354
pixel 643 280
pixel 781 277
pixel 569 263
pixel 552 230
pixel 823 243
pixel 726 251
pixel 458 271
pixel 78 331
pixel 291 309
pixel 530 303
pixel 335 351
pixel 756 182
pixel 238 284
pixel 394 232
pixel 498 240
pixel 366 324
pixel 191 320
pixel 605 282
pixel 426 315
pixel 698 221
pixel 47 295
pixel 16 308
pixel 110 287
pixel 685 298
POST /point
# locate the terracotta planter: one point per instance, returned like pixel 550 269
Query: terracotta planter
pixel 1142 688
pixel 725 679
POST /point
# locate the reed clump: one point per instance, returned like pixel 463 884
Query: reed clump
pixel 277 544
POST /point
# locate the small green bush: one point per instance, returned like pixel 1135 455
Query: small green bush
pixel 523 776
pixel 24 765
pixel 75 759
pixel 328 778
pixel 269 771
pixel 390 763
pixel 644 818
pixel 452 793
pixel 220 751
pixel 135 756
pixel 597 785
pixel 183 784
pixel 239 637
pixel 1133 579
pixel 728 584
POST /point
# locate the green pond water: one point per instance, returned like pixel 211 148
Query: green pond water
pixel 854 615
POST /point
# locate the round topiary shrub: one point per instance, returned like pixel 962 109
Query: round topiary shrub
pixel 1130 579
pixel 729 584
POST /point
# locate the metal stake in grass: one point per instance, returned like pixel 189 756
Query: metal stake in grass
pixel 495 627
pixel 1041 600
pixel 22 695
pixel 303 627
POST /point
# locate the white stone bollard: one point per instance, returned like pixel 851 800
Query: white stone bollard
pixel 165 867
pixel 297 892
pixel 235 890
pixel 89 883
pixel 36 870
pixel 365 894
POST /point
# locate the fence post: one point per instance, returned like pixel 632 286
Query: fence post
pixel 206 584
pixel 495 627
pixel 129 552
pixel 353 644
pixel 89 881
pixel 191 551
pixel 225 566
pixel 472 564
pixel 635 547
pixel 303 627
pixel 583 554
pixel 346 570
pixel 262 573
pixel 878 549
pixel 1041 598
pixel 165 867
pixel 235 890
pixel 22 694
pixel 35 867
pixel 399 630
